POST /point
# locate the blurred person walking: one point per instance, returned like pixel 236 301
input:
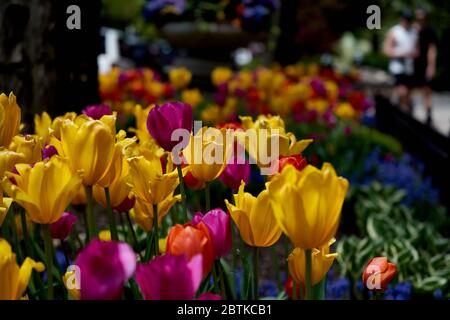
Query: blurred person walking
pixel 425 62
pixel 400 46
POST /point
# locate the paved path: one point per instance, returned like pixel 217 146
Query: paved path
pixel 440 114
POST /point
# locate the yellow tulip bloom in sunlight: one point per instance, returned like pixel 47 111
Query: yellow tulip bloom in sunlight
pixel 142 212
pixel 89 145
pixel 207 153
pixel 9 118
pixel 148 181
pixel 42 125
pixel 321 261
pixel 307 204
pixel 44 190
pixel 14 279
pixel 254 218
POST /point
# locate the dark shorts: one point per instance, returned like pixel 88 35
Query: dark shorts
pixel 403 79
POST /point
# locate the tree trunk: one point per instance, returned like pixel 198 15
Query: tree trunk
pixel 46 65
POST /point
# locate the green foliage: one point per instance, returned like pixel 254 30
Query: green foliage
pixel 388 228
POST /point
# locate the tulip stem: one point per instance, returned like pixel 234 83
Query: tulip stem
pixel 155 229
pixel 133 233
pixel 255 271
pixel 207 197
pixel 92 227
pixel 149 246
pixel 309 293
pixel 12 219
pixel 49 257
pixel 112 222
pixel 182 191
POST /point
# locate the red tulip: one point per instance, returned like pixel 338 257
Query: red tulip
pixel 297 161
pixel 191 240
pixel 62 227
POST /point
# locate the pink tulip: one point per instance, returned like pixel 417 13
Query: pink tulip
pixel 237 170
pixel 163 120
pixel 218 223
pixel 170 277
pixel 105 266
pixel 63 227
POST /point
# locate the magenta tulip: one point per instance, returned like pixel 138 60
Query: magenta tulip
pixel 218 223
pixel 105 266
pixel 49 151
pixel 170 277
pixel 209 296
pixel 163 120
pixel 63 227
pixel 97 111
pixel 236 171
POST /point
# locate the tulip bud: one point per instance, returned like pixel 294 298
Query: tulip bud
pixel 378 273
pixel 163 120
pixel 62 227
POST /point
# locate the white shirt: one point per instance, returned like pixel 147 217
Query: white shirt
pixel 405 43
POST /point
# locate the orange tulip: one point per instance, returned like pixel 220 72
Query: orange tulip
pixel 378 273
pixel 192 240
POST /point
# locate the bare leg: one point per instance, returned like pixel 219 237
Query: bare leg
pixel 427 101
pixel 404 97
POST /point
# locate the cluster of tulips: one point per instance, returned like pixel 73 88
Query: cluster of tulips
pixel 306 93
pixel 164 249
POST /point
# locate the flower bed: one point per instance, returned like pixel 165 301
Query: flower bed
pixel 129 217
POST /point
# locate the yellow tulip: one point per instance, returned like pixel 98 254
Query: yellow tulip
pixel 144 137
pixel 192 97
pixel 28 145
pixel 221 75
pixel 5 203
pixel 55 129
pixel 142 212
pixel 114 172
pixel 319 105
pixel 321 261
pixel 254 218
pixel 263 122
pixel 14 279
pixel 148 182
pixel 80 197
pixel 8 159
pixel 104 235
pixel 307 204
pixel 119 188
pixel 89 145
pixel 345 110
pixel 180 77
pixel 71 283
pixel 42 125
pixel 9 119
pixel 265 134
pixel 207 153
pixel 44 190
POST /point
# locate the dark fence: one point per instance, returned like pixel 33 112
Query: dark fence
pixel 420 140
